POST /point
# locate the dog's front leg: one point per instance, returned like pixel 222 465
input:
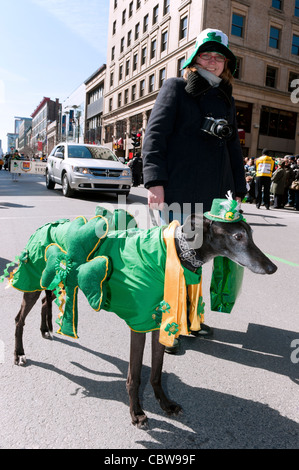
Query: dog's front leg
pixel 46 315
pixel 156 375
pixel 138 416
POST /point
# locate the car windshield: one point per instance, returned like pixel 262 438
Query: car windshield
pixel 97 153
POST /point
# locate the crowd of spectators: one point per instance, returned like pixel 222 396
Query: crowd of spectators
pixel 285 172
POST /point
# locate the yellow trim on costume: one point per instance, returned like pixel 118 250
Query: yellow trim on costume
pixel 53 244
pixel 104 278
pixel 81 217
pixel 74 312
pixel 174 319
pixel 144 331
pixel 100 238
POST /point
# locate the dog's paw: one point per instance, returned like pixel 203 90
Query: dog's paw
pixel 173 408
pixel 47 335
pixel 140 421
pixel 20 360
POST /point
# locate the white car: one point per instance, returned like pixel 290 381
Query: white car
pixel 84 167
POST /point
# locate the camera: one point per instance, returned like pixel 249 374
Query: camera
pixel 218 127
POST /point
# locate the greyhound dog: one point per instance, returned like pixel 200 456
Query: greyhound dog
pixel 233 241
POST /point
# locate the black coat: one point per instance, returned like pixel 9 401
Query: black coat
pixel 192 165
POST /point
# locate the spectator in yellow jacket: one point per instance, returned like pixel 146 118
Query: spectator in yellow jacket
pixel 264 170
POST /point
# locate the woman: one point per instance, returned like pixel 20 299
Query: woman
pixel 185 161
pixel 278 185
pixel 189 158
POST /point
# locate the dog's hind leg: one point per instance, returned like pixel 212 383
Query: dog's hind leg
pixel 29 299
pixel 170 407
pixel 138 416
pixel 46 315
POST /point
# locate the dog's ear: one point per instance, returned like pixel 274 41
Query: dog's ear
pixel 193 230
pixel 207 228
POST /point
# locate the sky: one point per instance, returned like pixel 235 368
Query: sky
pixel 48 48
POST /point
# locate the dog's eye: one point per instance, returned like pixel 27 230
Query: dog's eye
pixel 238 236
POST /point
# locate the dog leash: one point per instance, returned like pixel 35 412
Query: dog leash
pixel 153 218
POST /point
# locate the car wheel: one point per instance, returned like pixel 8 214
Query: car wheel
pixel 49 183
pixel 67 191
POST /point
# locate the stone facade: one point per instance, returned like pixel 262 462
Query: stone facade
pixel 148 41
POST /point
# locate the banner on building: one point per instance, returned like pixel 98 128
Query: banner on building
pixel 27 166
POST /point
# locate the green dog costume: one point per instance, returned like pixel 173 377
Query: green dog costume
pixel 133 272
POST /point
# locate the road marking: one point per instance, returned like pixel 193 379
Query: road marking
pixel 290 263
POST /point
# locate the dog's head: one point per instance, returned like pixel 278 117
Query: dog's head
pixel 232 240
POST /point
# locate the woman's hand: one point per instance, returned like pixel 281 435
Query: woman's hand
pixel 155 197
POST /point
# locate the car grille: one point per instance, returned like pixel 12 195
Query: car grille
pixel 106 173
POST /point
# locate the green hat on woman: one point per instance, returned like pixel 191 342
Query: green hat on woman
pixel 213 40
pixel 225 210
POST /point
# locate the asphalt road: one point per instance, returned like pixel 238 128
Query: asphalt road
pixel 239 390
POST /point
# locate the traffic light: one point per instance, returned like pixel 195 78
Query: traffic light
pixel 135 137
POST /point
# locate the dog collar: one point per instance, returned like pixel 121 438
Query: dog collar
pixel 187 254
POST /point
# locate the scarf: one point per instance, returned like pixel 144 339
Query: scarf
pixel 197 84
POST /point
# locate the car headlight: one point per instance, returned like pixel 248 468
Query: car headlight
pixel 126 173
pixel 83 171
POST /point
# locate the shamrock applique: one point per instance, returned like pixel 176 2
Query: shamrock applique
pixel 75 269
pixel 172 328
pixel 162 307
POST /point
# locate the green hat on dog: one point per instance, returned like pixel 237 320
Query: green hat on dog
pixel 225 210
pixel 213 40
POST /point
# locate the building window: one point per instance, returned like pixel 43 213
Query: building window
pixel 114 27
pixel 138 4
pixel 238 25
pixel 137 31
pixel 123 17
pixel 180 70
pixel 133 96
pixel 120 73
pixel 145 23
pixel 151 83
pixel 126 97
pixel 115 4
pixel 135 61
pixel 111 78
pixel 164 39
pixel 162 76
pixel 155 14
pixel 295 45
pixel 131 9
pixel 110 104
pixel 244 115
pixel 122 45
pixel 119 100
pixel 271 76
pixel 129 38
pixel 143 55
pixel 113 53
pixel 296 12
pixel 238 70
pixel 153 48
pixel 274 39
pixel 166 7
pixel 292 76
pixel 127 67
pixel 277 4
pixel 142 88
pixel 183 27
pixel 278 123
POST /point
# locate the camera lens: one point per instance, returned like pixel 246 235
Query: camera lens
pixel 225 131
